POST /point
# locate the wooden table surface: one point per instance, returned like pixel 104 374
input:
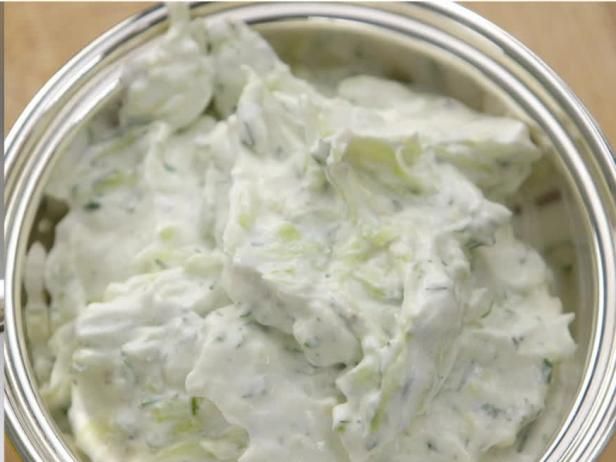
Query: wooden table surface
pixel 578 40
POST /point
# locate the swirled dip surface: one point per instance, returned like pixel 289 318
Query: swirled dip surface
pixel 252 271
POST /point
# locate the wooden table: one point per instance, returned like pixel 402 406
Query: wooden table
pixel 578 40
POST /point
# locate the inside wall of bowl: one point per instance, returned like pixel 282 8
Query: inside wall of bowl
pixel 547 211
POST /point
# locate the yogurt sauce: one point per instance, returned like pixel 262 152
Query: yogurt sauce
pixel 252 271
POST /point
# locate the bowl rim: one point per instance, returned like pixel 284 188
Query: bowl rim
pixel 90 56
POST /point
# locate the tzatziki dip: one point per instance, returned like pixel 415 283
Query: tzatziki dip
pixel 253 269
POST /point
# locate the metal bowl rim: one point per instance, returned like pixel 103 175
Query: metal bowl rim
pixel 137 24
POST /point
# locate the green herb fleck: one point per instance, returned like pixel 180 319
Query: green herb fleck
pixel 149 402
pixel 249 138
pixel 436 288
pixel 517 340
pixel 523 437
pixel 547 370
pixel 487 313
pixel 472 244
pixel 491 410
pixel 92 206
pixel 342 425
pixel 312 343
pixel 194 405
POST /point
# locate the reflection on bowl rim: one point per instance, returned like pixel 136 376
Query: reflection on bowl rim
pixel 592 419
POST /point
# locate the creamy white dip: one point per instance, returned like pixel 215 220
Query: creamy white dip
pixel 252 271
